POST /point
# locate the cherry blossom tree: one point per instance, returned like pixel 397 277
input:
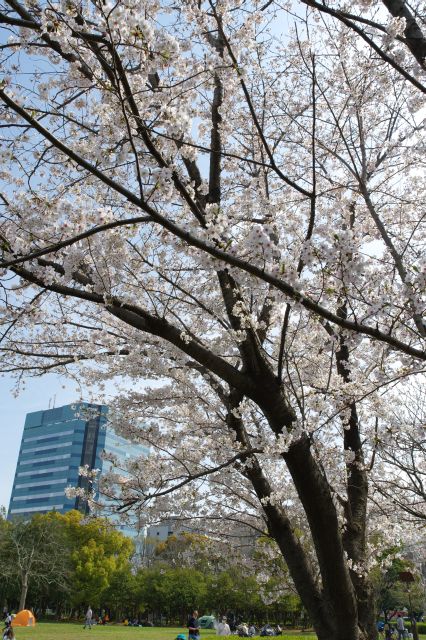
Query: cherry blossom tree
pixel 400 475
pixel 225 199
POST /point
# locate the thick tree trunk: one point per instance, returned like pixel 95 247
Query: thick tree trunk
pixel 334 610
pixel 348 601
pixel 366 607
pixel 314 493
pixel 282 532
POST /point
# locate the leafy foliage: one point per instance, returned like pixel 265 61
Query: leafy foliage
pixel 61 558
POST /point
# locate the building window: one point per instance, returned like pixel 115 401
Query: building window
pixel 50 459
pixel 49 436
pixel 51 507
pixel 41 473
pixel 33 486
pixel 41 497
pixel 47 449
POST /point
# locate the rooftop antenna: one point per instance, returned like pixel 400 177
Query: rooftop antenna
pixel 54 401
pixel 50 402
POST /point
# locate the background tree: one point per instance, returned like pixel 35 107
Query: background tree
pixel 169 593
pixel 8 587
pixel 97 553
pixel 63 562
pixel 401 478
pixel 33 553
pixel 400 588
pixel 122 596
pixel 186 549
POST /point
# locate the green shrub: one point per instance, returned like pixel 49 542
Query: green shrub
pixel 421 627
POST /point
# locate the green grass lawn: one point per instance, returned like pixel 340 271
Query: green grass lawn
pixel 70 631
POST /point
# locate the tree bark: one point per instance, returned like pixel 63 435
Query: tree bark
pixel 413 629
pixel 354 535
pixel 280 529
pixel 24 591
pixel 415 39
pixel 315 495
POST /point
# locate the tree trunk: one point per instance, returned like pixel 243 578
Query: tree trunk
pixel 315 496
pixel 413 629
pixel 24 591
pixel 336 610
pixel 366 606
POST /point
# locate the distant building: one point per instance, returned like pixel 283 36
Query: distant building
pixel 157 533
pixel 243 538
pixel 55 443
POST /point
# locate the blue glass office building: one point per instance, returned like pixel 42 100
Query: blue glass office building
pixel 55 443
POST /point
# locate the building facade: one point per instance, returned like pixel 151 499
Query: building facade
pixel 55 443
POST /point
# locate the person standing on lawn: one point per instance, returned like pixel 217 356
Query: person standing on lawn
pixel 89 618
pixel 193 627
pixel 400 627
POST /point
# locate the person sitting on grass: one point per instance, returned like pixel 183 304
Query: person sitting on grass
pixel 243 630
pixel 267 630
pixel 222 628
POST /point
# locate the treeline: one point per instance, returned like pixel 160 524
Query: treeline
pixel 166 594
pixel 62 563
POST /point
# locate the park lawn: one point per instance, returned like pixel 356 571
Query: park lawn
pixel 72 631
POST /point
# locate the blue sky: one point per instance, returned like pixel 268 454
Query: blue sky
pixel 38 392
